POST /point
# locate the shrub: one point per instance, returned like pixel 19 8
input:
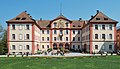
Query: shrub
pixel 49 50
pixel 67 51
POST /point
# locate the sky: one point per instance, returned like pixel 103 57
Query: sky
pixel 50 9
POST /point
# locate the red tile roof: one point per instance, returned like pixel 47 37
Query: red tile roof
pixel 100 17
pixel 23 17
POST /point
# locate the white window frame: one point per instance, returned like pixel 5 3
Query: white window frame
pixel 20 47
pixel 20 36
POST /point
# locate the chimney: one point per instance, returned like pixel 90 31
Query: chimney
pixel 80 19
pixel 25 11
pixel 91 16
pixel 40 19
pixel 97 11
pixel 28 14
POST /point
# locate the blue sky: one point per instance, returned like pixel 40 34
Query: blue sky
pixel 50 9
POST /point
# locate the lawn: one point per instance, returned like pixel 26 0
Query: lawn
pixel 109 62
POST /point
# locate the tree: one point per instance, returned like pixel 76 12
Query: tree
pixel 1 28
pixel 3 40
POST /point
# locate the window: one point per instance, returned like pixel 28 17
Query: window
pixel 78 31
pixel 73 31
pixel 96 36
pixel 55 24
pixel 96 47
pixel 42 31
pixel 20 27
pixel 47 46
pixel 47 31
pixel 73 25
pixel 66 38
pixel 97 18
pixel 47 38
pixel 54 38
pixel 27 36
pixel 110 36
pixel 13 36
pixel 27 47
pixel 73 38
pixel 110 47
pixel 103 27
pixel 43 46
pixel 66 24
pixel 105 18
pixel 18 18
pixel 13 47
pixel 73 46
pixel 61 32
pixel 42 38
pixel 103 36
pixel 103 47
pixel 66 31
pixel 55 32
pixel 78 38
pixel 110 27
pixel 96 27
pixel 20 47
pixel 61 38
pixel 13 27
pixel 79 26
pixel 20 36
pixel 23 18
pixel 27 27
pixel 78 46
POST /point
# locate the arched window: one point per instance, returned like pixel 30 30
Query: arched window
pixel 60 45
pixel 66 46
pixel 54 46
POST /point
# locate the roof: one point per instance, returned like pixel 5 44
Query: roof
pixel 100 17
pixel 23 17
pixel 44 23
pixel 60 17
pixel 75 23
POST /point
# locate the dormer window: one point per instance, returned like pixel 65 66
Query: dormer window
pixel 23 19
pixel 79 26
pixel 18 18
pixel 97 18
pixel 105 18
pixel 73 25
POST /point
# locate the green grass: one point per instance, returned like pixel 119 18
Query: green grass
pixel 109 62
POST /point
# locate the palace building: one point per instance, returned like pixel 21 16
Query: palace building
pixel 25 34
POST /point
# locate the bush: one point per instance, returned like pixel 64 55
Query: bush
pixel 39 52
pixel 49 50
pixel 67 51
pixel 62 49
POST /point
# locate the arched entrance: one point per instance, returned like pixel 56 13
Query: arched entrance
pixel 54 46
pixel 66 46
pixel 60 45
